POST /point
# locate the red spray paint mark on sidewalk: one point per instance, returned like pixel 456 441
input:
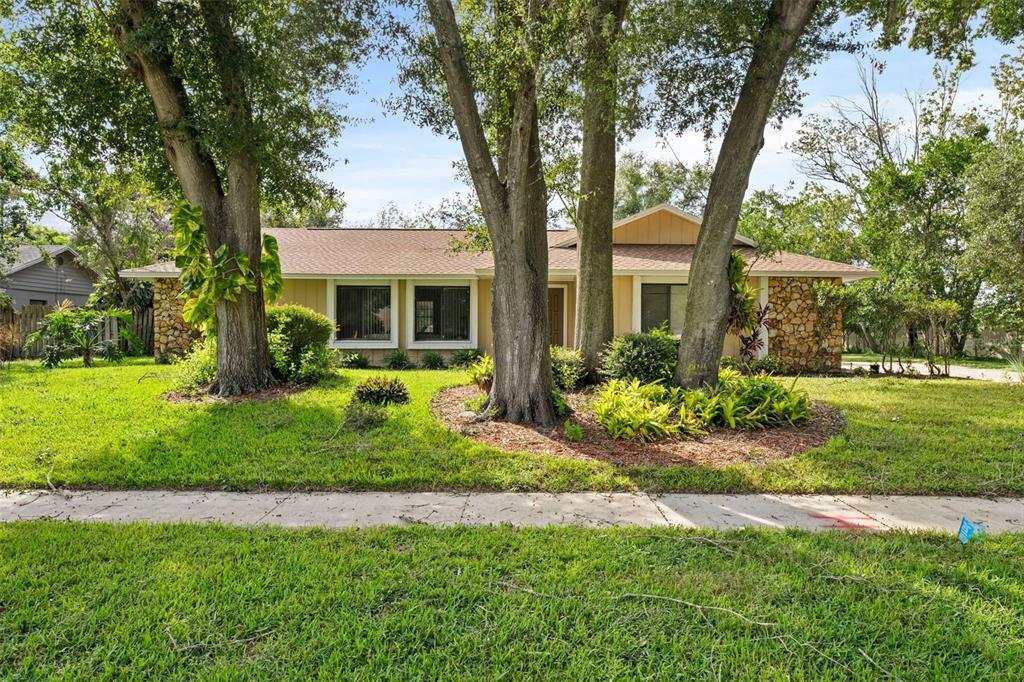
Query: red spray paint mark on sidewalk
pixel 849 522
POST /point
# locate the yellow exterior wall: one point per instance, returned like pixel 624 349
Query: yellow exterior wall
pixel 485 335
pixel 661 227
pixel 570 308
pixel 622 304
pixel 311 293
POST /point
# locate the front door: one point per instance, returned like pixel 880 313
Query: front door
pixel 556 315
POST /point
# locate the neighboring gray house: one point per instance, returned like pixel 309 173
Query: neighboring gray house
pixel 47 275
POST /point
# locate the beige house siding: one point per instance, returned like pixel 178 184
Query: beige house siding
pixel 311 293
pixel 485 335
pixel 570 309
pixel 622 304
pixel 661 227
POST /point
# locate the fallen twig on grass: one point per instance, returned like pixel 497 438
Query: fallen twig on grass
pixel 699 607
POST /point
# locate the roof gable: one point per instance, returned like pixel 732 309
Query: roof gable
pixel 661 224
pixel 29 255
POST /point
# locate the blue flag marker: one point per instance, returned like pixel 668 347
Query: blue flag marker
pixel 969 530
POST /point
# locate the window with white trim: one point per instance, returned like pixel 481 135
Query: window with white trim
pixel 662 304
pixel 362 313
pixel 441 313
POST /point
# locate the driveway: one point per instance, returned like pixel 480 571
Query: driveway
pixel 957 371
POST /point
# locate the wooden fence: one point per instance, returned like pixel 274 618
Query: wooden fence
pixel 28 319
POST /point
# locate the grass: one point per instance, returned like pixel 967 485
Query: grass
pixel 110 427
pixel 172 602
pixel 965 361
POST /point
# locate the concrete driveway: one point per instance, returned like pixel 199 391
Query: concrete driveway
pixel 957 371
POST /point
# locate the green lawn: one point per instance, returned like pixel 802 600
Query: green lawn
pixel 983 363
pixel 209 602
pixel 110 427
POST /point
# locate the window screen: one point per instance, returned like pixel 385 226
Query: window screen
pixel 363 313
pixel 662 304
pixel 442 313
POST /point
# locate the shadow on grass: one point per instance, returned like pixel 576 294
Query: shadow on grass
pixel 298 442
pixel 110 427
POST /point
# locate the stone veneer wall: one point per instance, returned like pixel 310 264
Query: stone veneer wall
pixel 794 332
pixel 172 336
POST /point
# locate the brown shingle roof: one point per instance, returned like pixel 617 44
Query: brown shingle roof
pixel 361 252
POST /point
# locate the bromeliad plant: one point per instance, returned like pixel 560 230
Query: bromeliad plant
pixel 636 411
pixel 206 280
pixel 69 331
pixel 631 410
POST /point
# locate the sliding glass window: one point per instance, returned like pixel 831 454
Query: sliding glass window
pixel 441 313
pixel 363 313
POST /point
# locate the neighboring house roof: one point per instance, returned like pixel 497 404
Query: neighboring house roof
pixel 427 253
pixel 32 254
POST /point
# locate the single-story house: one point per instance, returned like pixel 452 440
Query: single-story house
pixel 47 275
pixel 387 289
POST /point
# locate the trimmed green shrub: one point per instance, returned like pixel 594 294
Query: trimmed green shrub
pixel 315 364
pixel 382 390
pixel 198 368
pixel 481 372
pixel 298 339
pixel 363 416
pixel 432 360
pixel 567 368
pixel 353 360
pixel 769 364
pixel 464 357
pixel 646 357
pixel 732 362
pixel 398 359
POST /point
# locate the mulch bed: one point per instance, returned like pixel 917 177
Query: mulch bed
pixel 719 448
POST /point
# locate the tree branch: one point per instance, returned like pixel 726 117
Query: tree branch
pixel 467 115
pixel 195 169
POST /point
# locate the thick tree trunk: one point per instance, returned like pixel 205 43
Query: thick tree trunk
pixel 707 308
pixel 519 312
pixel 243 356
pixel 231 218
pixel 515 210
pixel 594 217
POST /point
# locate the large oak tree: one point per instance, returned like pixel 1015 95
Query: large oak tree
pixel 234 97
pixel 492 91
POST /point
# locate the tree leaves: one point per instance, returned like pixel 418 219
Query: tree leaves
pixel 206 280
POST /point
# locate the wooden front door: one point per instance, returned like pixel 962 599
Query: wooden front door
pixel 556 315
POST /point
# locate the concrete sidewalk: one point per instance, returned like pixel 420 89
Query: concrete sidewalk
pixel 344 510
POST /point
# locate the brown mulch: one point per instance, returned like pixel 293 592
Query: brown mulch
pixel 719 448
pixel 276 393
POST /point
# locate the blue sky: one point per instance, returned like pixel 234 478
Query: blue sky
pixel 386 159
